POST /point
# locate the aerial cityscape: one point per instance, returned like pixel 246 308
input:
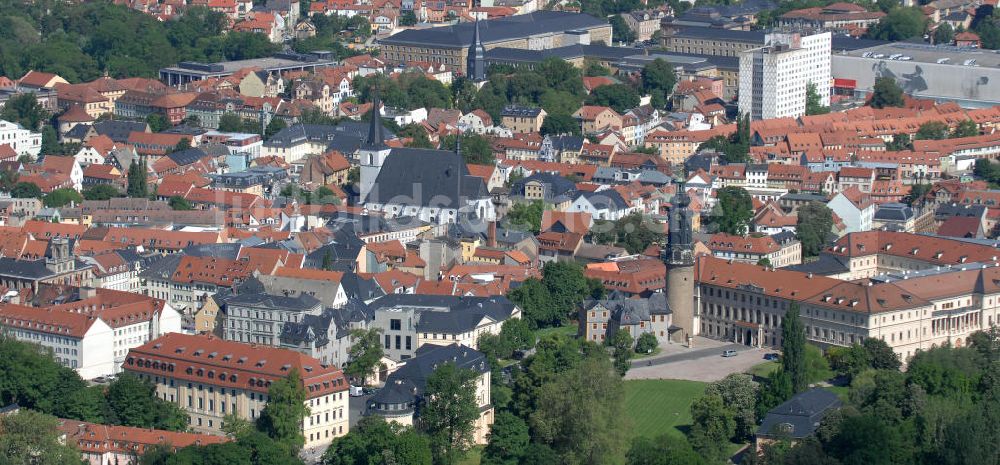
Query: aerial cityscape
pixel 499 232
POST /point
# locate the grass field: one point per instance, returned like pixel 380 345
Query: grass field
pixel 764 370
pixel 657 407
pixel 569 329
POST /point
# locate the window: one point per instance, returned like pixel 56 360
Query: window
pixel 395 324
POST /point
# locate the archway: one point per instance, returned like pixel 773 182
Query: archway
pixel 749 339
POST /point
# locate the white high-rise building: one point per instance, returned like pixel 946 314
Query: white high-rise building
pixel 773 78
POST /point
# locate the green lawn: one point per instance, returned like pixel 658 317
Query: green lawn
pixel 764 370
pixel 656 407
pixel 569 329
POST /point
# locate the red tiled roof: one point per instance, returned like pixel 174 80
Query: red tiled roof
pixel 210 360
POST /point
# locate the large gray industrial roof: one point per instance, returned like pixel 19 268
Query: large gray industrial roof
pixel 496 30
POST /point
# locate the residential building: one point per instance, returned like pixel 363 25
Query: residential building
pixel 521 119
pixel 124 445
pixel 855 208
pixel 601 319
pixel 23 141
pixel 399 399
pixel 410 321
pixel 89 330
pixel 773 78
pixel 210 378
pixel 755 249
pixel 797 418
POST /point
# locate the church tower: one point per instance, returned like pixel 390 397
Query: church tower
pixel 678 255
pixel 373 151
pixel 475 65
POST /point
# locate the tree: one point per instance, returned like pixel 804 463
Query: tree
pixel 578 413
pixel 28 437
pixel 793 347
pixel 620 32
pixel 281 418
pixel 932 130
pixel 944 34
pixel 866 440
pixel 508 440
pixel 733 211
pixel 525 216
pixel 658 80
pixel 594 68
pixel 448 410
pixel 25 110
pixel 634 232
pixel 899 142
pixel 712 426
pixel 26 190
pixel 476 149
pixel 536 301
pixel 886 93
pixel 365 354
pixel 181 145
pixel 273 127
pixel 50 142
pixel 62 197
pixel 179 203
pixel 230 122
pixel 101 192
pixel 375 441
pixel 561 123
pixel 814 104
pixel 739 393
pixel 417 135
pixel 664 450
pixel 621 343
pixel 567 286
pixel 133 402
pixel 965 128
pixel 646 343
pixel 157 122
pixel 899 24
pixel 619 97
pixel 408 18
pixel 813 225
pixel 33 379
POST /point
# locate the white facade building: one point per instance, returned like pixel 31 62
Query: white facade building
pixel 773 78
pixel 23 141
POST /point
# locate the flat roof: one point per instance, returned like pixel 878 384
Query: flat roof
pixel 496 30
pixel 926 53
pixel 230 67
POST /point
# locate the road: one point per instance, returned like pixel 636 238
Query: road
pixel 704 363
pixel 694 354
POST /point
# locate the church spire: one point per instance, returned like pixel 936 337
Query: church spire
pixel 476 61
pixel 375 140
pixel 679 250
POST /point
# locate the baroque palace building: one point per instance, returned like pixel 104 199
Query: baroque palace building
pixel 914 292
pixel 210 378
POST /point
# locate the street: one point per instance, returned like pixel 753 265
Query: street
pixel 703 363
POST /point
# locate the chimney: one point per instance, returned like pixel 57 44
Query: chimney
pixel 491 234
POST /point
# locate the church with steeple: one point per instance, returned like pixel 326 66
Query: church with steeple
pixel 476 61
pixel 434 186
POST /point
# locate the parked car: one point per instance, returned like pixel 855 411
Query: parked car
pixel 772 356
pixel 357 391
pixel 729 353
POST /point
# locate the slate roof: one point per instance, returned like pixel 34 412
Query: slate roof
pixel 495 30
pixel 449 314
pixel 300 302
pixel 893 212
pixel 345 137
pixel 424 177
pixel 608 198
pixel 30 269
pixel 799 417
pixel 118 131
pixel 413 375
